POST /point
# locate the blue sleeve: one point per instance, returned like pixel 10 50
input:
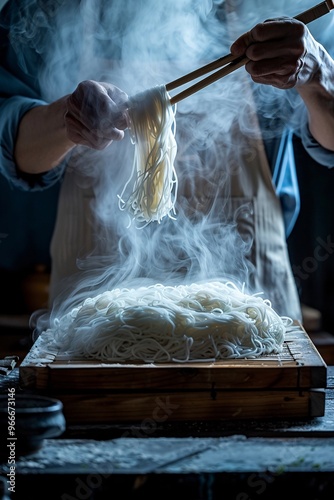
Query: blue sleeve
pixel 12 110
pixel 315 150
pixel 19 93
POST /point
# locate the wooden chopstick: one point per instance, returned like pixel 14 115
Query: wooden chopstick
pixel 315 12
pixel 217 75
pixel 218 63
pixel 230 62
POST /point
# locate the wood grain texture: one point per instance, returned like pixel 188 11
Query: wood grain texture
pixel 156 408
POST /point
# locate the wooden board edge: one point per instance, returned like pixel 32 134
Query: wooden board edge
pixel 202 378
pixel 194 406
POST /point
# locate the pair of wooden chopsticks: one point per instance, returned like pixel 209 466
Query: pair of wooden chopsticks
pixel 230 63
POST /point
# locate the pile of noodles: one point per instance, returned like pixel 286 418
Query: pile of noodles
pixel 197 322
pixel 150 193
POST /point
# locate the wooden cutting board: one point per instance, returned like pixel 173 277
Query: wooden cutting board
pixel 289 384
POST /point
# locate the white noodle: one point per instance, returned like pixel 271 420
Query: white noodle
pixel 153 178
pixel 197 322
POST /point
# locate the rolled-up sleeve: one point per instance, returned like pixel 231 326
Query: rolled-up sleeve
pixel 11 112
pixel 320 154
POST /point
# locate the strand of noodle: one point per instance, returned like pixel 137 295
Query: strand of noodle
pixel 185 323
pixel 152 126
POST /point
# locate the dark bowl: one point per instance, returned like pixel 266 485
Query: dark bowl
pixel 26 420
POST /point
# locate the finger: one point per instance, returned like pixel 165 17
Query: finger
pixel 119 103
pixel 278 66
pixel 278 28
pixel 117 95
pixel 115 116
pixel 99 112
pixel 272 50
pixel 271 29
pixel 239 46
pixel 285 77
pixel 94 138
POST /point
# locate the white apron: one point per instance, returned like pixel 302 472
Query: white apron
pixel 263 222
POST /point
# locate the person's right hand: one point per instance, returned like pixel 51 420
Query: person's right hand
pixel 281 52
pixel 95 114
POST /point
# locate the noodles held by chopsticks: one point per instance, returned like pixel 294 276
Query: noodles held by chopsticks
pixel 153 177
pixel 198 322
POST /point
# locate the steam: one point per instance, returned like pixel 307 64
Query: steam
pixel 137 44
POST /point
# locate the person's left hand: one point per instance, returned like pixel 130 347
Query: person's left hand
pixel 282 53
pixel 95 114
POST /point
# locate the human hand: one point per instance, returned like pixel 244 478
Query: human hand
pixel 95 115
pixel 282 53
